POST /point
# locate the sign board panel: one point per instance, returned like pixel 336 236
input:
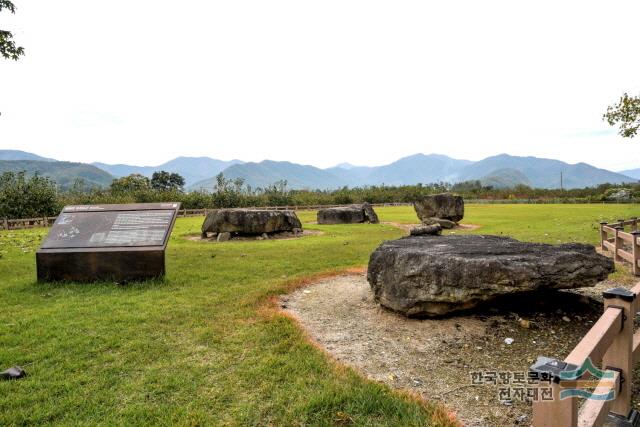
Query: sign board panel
pixel 107 242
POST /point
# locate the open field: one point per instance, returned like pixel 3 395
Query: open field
pixel 205 346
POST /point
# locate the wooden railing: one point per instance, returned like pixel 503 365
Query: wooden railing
pixel 20 224
pixel 622 245
pixel 610 344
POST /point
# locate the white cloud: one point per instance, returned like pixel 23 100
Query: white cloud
pixel 319 82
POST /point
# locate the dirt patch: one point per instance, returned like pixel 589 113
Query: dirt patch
pixel 274 236
pixel 437 358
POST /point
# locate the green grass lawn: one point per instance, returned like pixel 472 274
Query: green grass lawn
pixel 205 346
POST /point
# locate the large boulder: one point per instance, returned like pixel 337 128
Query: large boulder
pixel 352 214
pixel 435 275
pixel 444 206
pixel 247 221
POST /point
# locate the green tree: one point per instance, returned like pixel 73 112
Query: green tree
pixel 8 48
pixel 626 113
pixel 165 181
pixel 130 183
pixel 27 197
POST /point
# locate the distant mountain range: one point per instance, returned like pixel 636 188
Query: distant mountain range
pixel 192 169
pixel 501 171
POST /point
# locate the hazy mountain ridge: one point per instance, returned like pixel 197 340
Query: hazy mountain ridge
pixel 22 155
pixel 633 173
pixel 268 172
pixel 544 173
pixel 64 174
pixel 499 171
pixel 192 169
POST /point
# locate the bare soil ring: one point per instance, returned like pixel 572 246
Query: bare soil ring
pixel 436 358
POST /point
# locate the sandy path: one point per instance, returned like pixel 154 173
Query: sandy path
pixel 435 357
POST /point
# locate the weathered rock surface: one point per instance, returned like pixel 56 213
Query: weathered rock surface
pixel 436 275
pixel 421 230
pixel 246 221
pixel 444 223
pixel 444 206
pixel 352 214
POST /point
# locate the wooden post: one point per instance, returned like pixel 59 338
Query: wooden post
pixel 6 224
pixel 618 244
pixel 555 412
pixel 603 236
pixel 635 250
pixel 634 224
pixel 620 354
pixel 45 221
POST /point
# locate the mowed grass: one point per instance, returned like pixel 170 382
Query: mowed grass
pixel 558 223
pixel 203 347
pixel 206 345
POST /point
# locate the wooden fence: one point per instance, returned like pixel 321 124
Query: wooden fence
pixel 20 224
pixel 611 344
pixel 622 245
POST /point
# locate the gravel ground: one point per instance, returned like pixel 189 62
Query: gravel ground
pixel 435 358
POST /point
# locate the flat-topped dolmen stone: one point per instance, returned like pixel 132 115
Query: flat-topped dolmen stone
pixel 352 214
pixel 444 206
pixel 250 222
pixel 435 275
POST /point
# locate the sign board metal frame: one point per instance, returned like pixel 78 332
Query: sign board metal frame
pixel 90 243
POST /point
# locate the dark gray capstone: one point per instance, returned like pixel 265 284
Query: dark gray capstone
pixel 250 222
pixel 13 373
pixel 444 206
pixel 352 214
pixel 435 275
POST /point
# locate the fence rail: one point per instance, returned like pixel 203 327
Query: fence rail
pixel 622 245
pixel 25 223
pixel 610 344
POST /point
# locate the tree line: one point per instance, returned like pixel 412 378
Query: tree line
pixel 23 196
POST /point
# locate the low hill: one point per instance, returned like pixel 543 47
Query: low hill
pixel 505 178
pixel 63 173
